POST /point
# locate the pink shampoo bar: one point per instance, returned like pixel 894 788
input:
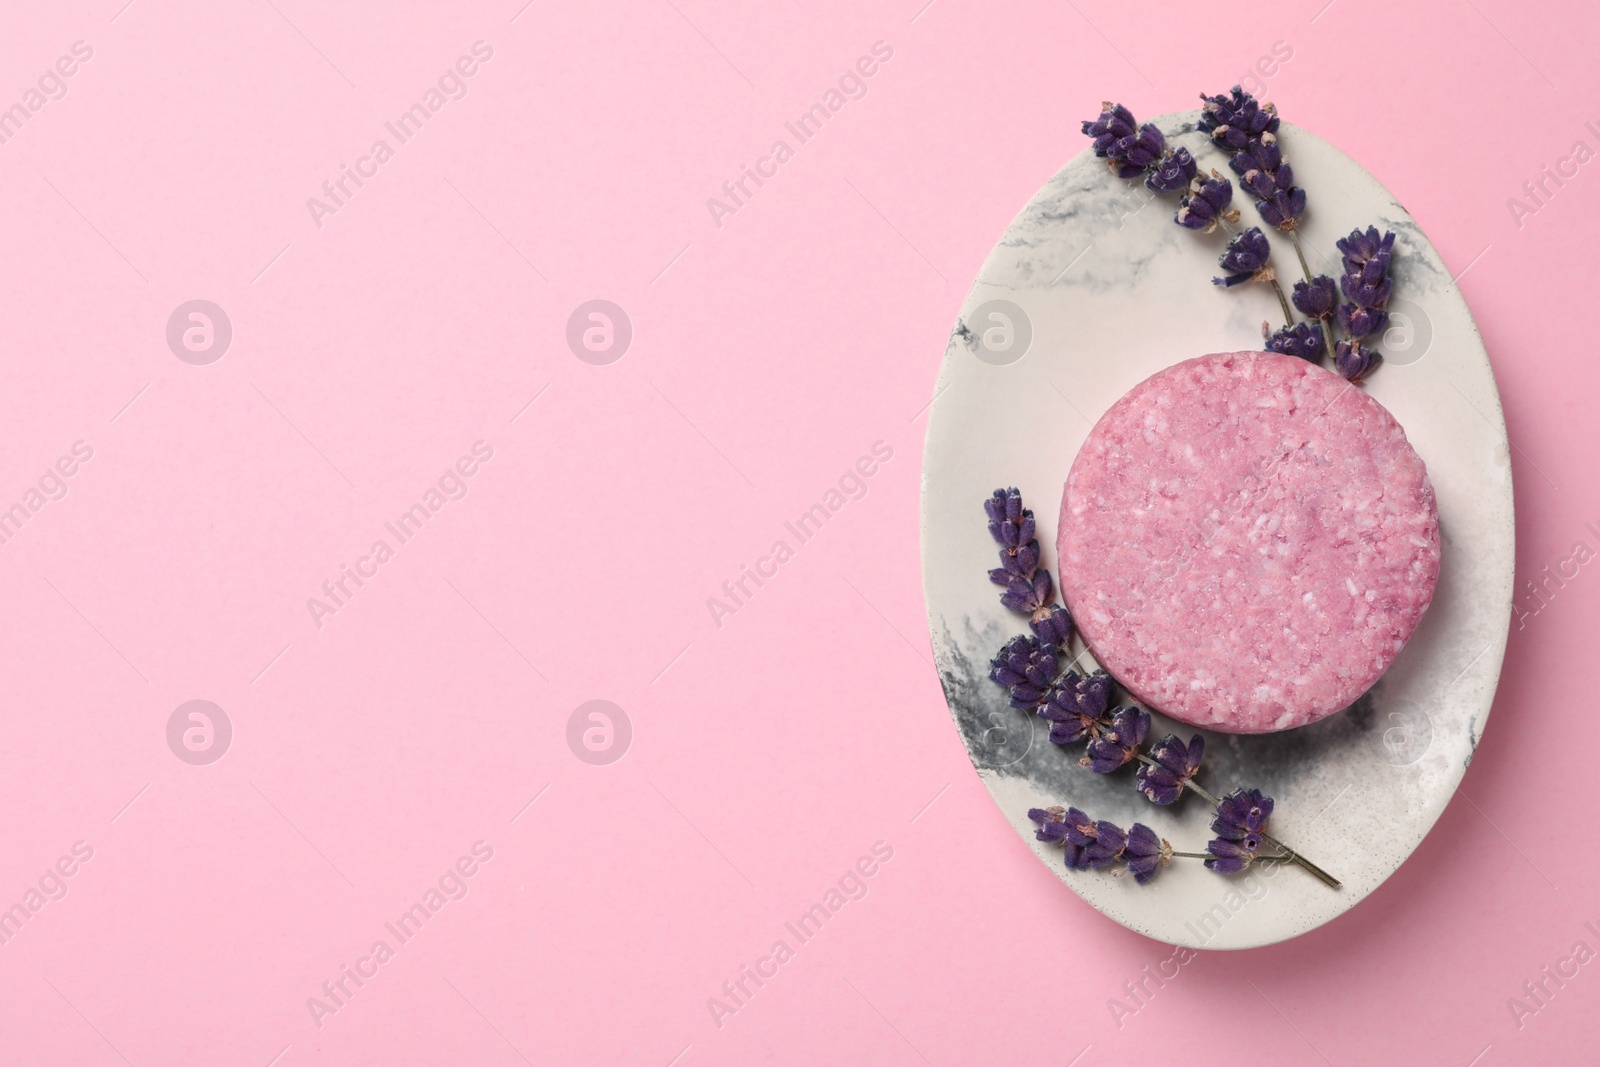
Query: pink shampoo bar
pixel 1247 541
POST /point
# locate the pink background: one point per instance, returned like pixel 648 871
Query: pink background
pixel 770 752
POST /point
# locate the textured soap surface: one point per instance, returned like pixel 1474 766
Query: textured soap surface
pixel 1247 541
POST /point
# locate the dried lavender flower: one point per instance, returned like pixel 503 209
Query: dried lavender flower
pixel 1316 298
pixel 1126 149
pixel 1246 259
pixel 1076 707
pixel 1023 595
pixel 1206 205
pixel 1263 170
pixel 1010 524
pixel 1026 588
pixel 1240 825
pixel 1241 813
pixel 1109 843
pixel 1231 857
pixel 1052 624
pixel 1052 822
pixel 1366 286
pixel 1172 173
pixel 1303 339
pixel 1092 693
pixel 1369 287
pixel 1352 361
pixel 1119 743
pixel 1145 853
pixel 1257 164
pixel 1360 248
pixel 1176 763
pixel 1235 119
pixel 1026 666
pixel 1072 828
pixel 1360 321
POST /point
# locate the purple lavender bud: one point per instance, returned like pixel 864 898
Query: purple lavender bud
pixel 1118 744
pixel 1143 150
pixel 1010 524
pixel 1052 822
pixel 1075 830
pixel 1206 205
pixel 1115 123
pixel 1242 814
pixel 1359 249
pixel 1256 165
pixel 1303 339
pixel 1076 707
pixel 1004 505
pixel 1128 151
pixel 1284 209
pixel 1108 845
pixel 1027 589
pixel 1053 625
pixel 1370 289
pixel 1352 361
pixel 1231 857
pixel 1088 844
pixel 1245 257
pixel 1236 119
pixel 1025 666
pixel 1316 298
pixel 1089 696
pixel 1176 764
pixel 1367 287
pixel 1023 595
pixel 1263 170
pixel 1145 853
pixel 1360 322
pixel 1172 173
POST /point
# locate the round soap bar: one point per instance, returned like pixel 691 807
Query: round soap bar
pixel 1247 541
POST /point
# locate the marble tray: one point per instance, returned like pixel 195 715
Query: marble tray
pixel 1090 290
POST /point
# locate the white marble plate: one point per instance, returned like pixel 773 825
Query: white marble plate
pixel 1101 290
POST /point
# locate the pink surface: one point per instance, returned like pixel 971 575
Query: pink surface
pixel 774 736
pixel 1247 540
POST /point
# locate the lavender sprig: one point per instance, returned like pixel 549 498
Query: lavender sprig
pixel 1076 707
pixel 1259 162
pixel 1028 589
pixel 1367 287
pixel 1263 170
pixel 1096 845
pixel 1247 131
pixel 1205 205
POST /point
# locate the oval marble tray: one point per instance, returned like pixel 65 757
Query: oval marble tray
pixel 1090 290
